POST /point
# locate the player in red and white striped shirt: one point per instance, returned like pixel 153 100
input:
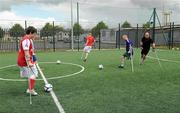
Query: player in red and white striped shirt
pixel 26 59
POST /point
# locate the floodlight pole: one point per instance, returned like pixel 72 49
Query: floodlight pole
pixel 119 38
pixel 72 35
pixel 154 24
pixel 54 46
pixel 78 30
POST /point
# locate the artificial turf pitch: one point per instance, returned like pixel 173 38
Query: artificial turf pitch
pixel 149 89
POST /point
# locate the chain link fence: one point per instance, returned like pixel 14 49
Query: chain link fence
pixel 59 37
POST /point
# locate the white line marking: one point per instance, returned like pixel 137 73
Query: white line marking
pixel 158 60
pixel 7 66
pixel 56 101
pixel 51 78
pixel 165 60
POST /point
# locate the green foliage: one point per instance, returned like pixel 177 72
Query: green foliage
pixel 77 28
pixel 96 30
pixel 1 33
pixel 17 31
pixel 147 25
pixel 48 30
pixel 126 24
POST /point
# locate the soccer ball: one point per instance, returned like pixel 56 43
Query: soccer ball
pixel 48 88
pixel 177 48
pixel 101 67
pixel 58 61
pixel 172 48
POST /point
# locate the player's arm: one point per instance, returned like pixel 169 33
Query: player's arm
pixel 130 48
pixel 87 41
pixel 34 58
pixel 141 44
pixel 153 45
pixel 27 57
pixel 26 45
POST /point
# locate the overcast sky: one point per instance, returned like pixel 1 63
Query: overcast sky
pixel 91 11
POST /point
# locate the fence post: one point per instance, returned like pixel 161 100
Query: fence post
pixel 137 36
pixel 99 39
pixel 119 38
pixel 25 24
pixel 172 43
pixel 154 24
pixel 44 44
pixel 116 39
pixel 169 37
pixel 17 45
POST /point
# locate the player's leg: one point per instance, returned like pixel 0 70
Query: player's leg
pixel 86 56
pixel 83 54
pixel 33 73
pixel 123 60
pixel 144 53
pixel 87 51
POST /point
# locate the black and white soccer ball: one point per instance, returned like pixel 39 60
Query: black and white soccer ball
pixel 100 66
pixel 48 87
pixel 58 62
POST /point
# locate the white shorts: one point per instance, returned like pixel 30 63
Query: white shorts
pixel 28 72
pixel 87 49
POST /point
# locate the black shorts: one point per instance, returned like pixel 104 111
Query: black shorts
pixel 145 51
pixel 128 55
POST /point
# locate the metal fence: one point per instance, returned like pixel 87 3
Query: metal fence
pixel 168 37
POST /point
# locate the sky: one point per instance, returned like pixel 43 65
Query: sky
pixel 112 12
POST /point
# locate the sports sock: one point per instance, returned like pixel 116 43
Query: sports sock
pixel 31 84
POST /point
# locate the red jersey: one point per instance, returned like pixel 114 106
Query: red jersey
pixel 25 44
pixel 90 40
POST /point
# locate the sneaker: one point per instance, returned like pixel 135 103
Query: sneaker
pixel 121 66
pixel 32 92
pixel 85 60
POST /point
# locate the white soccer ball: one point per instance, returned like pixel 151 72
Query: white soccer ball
pixel 101 66
pixel 58 61
pixel 48 88
pixel 172 48
pixel 177 48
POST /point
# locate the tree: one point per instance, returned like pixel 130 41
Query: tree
pixel 17 31
pixel 58 29
pixel 47 30
pixel 77 28
pixel 1 33
pixel 126 24
pixel 96 30
pixel 147 25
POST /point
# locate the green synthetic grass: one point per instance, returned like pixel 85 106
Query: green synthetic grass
pixel 149 89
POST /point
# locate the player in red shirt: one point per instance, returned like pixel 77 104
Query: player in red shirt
pixel 26 59
pixel 88 46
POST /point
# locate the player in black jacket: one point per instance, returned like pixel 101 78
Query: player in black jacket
pixel 146 43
